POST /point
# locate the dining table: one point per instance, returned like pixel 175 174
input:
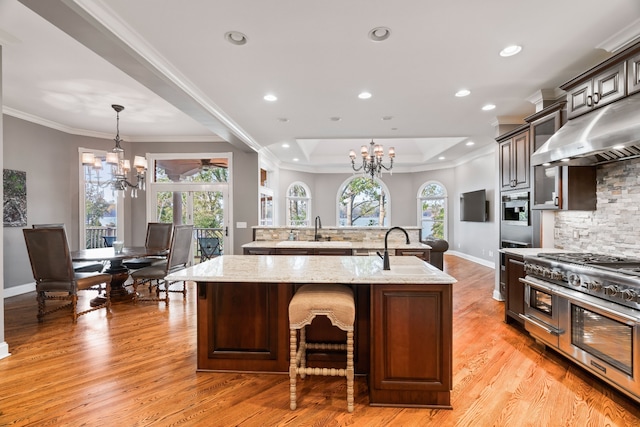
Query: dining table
pixel 114 265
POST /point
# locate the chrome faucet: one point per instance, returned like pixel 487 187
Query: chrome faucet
pixel 385 258
pixel 318 225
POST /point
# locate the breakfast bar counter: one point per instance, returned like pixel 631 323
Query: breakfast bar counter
pixel 403 330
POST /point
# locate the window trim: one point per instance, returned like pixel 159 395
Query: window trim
pixel 307 198
pixel 419 198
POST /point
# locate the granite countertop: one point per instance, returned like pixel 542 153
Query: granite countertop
pixel 313 269
pixel 530 251
pixel 337 244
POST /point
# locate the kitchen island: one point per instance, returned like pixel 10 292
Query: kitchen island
pixel 403 328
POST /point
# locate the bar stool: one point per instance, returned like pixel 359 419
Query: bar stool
pixel 336 303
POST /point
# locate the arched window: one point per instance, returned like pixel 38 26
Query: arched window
pixel 363 202
pixel 432 210
pixel 298 205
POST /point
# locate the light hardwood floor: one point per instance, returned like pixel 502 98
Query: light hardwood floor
pixel 136 367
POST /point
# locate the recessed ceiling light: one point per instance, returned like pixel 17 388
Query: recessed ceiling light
pixel 463 92
pixel 379 34
pixel 546 164
pixel 441 158
pixel 488 107
pixel 270 97
pixel 364 95
pixel 295 159
pixel 335 118
pixel 235 37
pixel 470 143
pixel 387 118
pixel 510 50
pixel 618 147
pixel 564 160
pixel 285 145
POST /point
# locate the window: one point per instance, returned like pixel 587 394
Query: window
pixel 363 203
pixel 298 205
pixel 100 204
pixel 432 210
pixel 265 207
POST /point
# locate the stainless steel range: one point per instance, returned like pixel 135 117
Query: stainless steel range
pixel 587 306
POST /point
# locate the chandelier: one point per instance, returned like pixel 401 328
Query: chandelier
pixel 372 159
pixel 120 167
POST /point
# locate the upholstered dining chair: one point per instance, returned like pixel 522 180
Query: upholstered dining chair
pixel 158 236
pixel 53 272
pixel 177 259
pixel 78 266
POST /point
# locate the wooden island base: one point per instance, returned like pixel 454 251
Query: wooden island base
pixel 403 329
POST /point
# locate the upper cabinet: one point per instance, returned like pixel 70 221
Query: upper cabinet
pixel 514 159
pixel 633 74
pixel 603 88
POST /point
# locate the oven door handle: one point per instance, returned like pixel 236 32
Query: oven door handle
pixel 548 329
pixel 538 285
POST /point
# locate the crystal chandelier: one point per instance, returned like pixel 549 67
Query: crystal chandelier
pixel 372 159
pixel 120 167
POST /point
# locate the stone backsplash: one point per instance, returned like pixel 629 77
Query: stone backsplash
pixel 614 227
pixel 337 234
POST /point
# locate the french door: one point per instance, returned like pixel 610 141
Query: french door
pixel 203 205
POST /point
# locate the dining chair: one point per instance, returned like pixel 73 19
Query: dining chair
pixel 53 272
pixel 108 241
pixel 158 236
pixel 78 266
pixel 177 259
pixel 209 247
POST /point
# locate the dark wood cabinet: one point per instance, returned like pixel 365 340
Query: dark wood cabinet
pixel 514 289
pixel 411 345
pixel 514 160
pixel 633 74
pixel 333 251
pixel 565 188
pixel 259 251
pixel 605 87
pixel 294 251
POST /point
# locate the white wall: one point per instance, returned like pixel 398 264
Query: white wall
pixel 477 239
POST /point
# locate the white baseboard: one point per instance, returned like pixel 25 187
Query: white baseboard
pixel 4 350
pixel 19 290
pixel 490 264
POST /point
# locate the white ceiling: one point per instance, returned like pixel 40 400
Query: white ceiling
pixel 169 64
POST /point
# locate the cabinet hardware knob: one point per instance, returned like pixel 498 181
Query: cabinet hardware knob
pixel 589 101
pixel 596 98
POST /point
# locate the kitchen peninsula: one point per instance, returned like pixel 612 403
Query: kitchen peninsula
pixel 403 319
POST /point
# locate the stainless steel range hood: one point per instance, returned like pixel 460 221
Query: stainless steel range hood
pixel 606 134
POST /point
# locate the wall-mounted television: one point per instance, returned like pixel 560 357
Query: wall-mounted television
pixel 474 206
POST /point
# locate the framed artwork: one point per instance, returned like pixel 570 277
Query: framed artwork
pixel 15 198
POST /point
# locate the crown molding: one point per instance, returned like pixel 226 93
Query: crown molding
pixel 93 134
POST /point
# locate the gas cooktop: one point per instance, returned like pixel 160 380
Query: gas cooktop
pixel 624 265
pixel 587 258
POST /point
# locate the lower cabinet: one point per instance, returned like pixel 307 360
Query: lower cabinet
pixel 514 289
pixel 411 345
pixel 259 251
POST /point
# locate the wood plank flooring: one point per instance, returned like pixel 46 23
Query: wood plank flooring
pixel 136 367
